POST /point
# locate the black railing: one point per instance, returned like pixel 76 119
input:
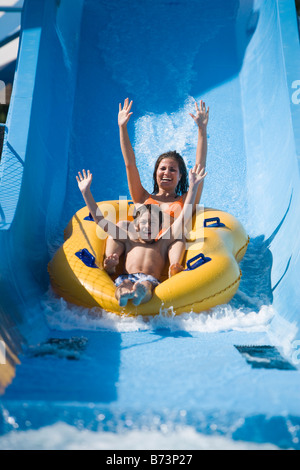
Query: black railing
pixel 11 9
pixel 9 38
pixel 2 132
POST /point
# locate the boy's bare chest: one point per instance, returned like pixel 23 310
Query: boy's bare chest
pixel 157 249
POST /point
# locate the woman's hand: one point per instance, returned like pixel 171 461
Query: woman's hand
pixel 202 115
pixel 85 181
pixel 196 175
pixel 124 113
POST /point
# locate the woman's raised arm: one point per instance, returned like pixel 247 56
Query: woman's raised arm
pixel 201 119
pixel 137 191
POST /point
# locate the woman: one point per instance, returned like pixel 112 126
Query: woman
pixel 170 174
pixel 170 180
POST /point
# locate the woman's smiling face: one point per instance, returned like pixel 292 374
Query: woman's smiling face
pixel 167 174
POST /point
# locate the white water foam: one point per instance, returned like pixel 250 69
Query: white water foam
pixel 61 436
pixel 64 316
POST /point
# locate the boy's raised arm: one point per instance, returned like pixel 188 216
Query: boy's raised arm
pixel 84 181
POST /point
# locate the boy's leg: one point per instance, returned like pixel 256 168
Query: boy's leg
pixel 176 253
pixel 124 292
pixel 143 291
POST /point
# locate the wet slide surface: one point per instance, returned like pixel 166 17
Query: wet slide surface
pixel 210 380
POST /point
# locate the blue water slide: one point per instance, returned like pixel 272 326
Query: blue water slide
pixel 31 200
pixel 232 372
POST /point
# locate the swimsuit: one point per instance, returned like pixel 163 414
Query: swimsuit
pixel 136 278
pixel 174 208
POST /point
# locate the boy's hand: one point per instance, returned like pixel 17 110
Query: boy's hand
pixel 110 263
pixel 124 113
pixel 202 115
pixel 175 268
pixel 85 181
pixel 196 175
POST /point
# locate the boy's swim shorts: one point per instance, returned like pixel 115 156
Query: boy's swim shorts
pixel 136 277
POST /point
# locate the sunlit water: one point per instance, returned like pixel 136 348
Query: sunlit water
pixel 61 436
pixel 95 426
pixel 64 316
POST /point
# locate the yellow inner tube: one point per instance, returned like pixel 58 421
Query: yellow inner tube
pixel 213 282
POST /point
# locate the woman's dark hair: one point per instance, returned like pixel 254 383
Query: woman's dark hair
pixel 183 184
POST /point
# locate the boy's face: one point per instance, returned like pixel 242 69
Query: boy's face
pixel 147 226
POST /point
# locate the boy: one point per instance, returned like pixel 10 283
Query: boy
pixel 146 250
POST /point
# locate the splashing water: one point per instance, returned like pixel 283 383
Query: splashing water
pixel 66 437
pixel 63 316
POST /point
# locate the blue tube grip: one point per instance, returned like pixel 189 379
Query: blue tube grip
pixel 87 258
pixel 216 223
pixel 197 261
